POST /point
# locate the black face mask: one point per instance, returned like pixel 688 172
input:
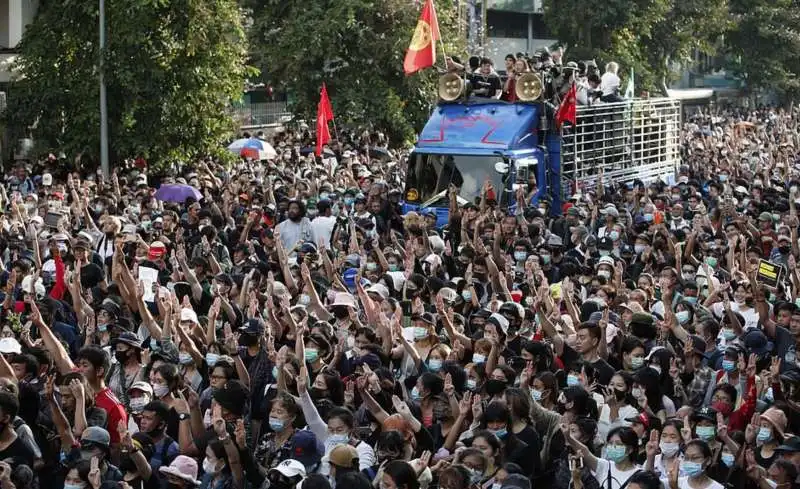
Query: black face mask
pixel 121 356
pixel 341 312
pixel 127 465
pixel 620 394
pixel 495 387
pixel 317 394
pixel 247 339
pixel 784 249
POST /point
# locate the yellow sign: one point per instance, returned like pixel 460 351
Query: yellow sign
pixel 769 273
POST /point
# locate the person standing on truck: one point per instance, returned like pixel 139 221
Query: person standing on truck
pixel 609 84
pixel 486 81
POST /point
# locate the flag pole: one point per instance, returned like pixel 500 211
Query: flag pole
pixel 441 41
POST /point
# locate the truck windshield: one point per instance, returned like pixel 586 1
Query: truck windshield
pixel 431 174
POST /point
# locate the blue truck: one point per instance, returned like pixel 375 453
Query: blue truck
pixel 469 140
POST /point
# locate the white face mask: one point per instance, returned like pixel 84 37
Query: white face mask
pixel 209 467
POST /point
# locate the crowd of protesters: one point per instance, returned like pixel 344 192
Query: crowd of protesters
pixel 291 328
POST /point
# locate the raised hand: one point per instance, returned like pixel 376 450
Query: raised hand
pixel 652 448
pixel 94 473
pixel 449 388
pixel 686 431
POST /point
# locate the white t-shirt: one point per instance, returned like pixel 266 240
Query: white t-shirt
pixel 683 483
pixel 606 424
pixel 609 83
pixel 751 317
pixel 618 477
pixel 322 229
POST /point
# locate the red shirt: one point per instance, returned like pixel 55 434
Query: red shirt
pixel 105 399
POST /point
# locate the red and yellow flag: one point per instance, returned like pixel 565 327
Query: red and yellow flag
pixel 422 50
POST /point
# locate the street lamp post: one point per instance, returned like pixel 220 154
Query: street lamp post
pixel 103 103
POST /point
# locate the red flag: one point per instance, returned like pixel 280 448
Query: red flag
pixel 568 108
pixel 325 103
pixel 422 50
pixel 324 115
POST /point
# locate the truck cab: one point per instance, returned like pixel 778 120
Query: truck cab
pixel 466 144
pixel 469 140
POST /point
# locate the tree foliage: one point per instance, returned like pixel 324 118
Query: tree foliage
pixel 765 44
pixel 646 35
pixel 356 47
pixel 172 68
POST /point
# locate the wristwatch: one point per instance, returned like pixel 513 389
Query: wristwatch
pixel 183 416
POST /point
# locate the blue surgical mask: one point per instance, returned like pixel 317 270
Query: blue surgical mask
pixel 211 359
pixel 613 235
pixel 728 334
pixel 764 434
pixel 275 372
pixel 415 395
pixel 711 261
pixel 639 248
pixel 466 295
pixel 420 332
pixel 304 299
pixel 478 359
pixel 520 255
pixel 637 362
pixel 184 358
pixel 682 317
pixel 545 259
pixel 728 365
pixel 339 439
pixel 728 459
pixel 348 201
pixel 648 217
pixel 692 469
pixel 723 178
pixel 277 425
pixel 500 434
pixel 691 300
pixel 74 486
pixel 615 453
pixel 536 395
pixel 706 433
pixel 393 267
pixel 102 328
pixel 434 364
pixel 769 396
pixel 472 384
pixel 573 380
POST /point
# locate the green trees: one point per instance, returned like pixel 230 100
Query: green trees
pixel 172 69
pixel 765 44
pixel 648 35
pixel 356 47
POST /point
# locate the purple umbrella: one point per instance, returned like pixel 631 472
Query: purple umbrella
pixel 177 193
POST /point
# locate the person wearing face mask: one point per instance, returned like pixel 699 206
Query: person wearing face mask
pixel 153 423
pixel 766 432
pixel 165 380
pixel 139 395
pixel 128 366
pixel 78 475
pixel 275 445
pixel 286 475
pixel 497 420
pixel 95 442
pixel 337 431
pixel 136 450
pixel 664 450
pixel 692 473
pixel 616 468
pixel 618 406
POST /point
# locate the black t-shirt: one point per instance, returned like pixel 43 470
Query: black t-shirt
pixel 18 453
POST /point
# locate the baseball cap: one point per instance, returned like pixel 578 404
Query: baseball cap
pixel 141 386
pixel 705 412
pixel 291 468
pixel 96 435
pixel 306 448
pixel 345 456
pixel 254 326
pixel 790 444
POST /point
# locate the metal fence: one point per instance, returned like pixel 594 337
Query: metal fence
pixel 635 139
pixel 261 114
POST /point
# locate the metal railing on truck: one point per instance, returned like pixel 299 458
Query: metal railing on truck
pixel 634 139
